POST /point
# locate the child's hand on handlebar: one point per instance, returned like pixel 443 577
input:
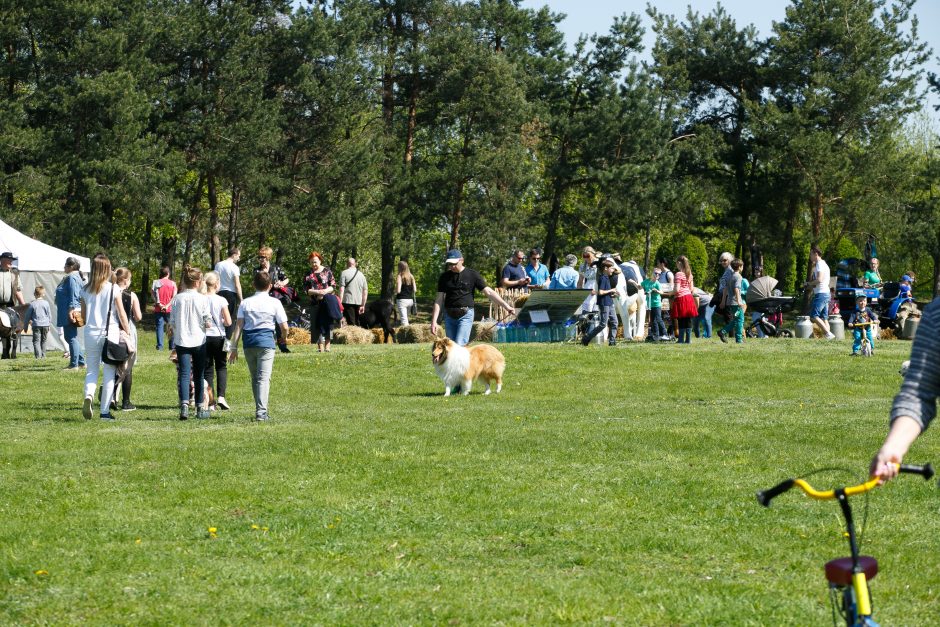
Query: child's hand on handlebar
pixel 886 464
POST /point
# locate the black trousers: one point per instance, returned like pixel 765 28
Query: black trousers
pixel 232 299
pixel 351 314
pixel 216 364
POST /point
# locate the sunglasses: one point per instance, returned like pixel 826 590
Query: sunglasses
pixel 536 258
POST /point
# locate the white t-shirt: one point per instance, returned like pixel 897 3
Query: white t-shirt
pixel 228 272
pixel 216 305
pixel 188 318
pixel 261 312
pixel 96 312
pixel 821 274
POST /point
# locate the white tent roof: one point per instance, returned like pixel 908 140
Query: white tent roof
pixel 34 255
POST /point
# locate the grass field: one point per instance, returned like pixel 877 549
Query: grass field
pixel 602 486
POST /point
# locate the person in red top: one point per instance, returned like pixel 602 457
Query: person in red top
pixel 684 309
pixel 163 290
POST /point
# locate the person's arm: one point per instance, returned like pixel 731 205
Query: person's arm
pixel 580 281
pixel 904 430
pixel 342 288
pixel 136 313
pixel 122 317
pixel 496 298
pixel 398 285
pixel 365 297
pixel 284 330
pixel 436 311
pixel 227 317
pixel 238 285
pixel 237 333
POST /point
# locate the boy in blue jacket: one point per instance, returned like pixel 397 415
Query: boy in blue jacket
pixel 861 322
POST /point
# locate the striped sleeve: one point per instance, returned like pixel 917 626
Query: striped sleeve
pixel 918 396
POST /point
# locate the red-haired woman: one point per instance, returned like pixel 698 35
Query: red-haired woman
pixel 318 284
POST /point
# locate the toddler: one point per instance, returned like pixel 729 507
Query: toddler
pixel 39 315
pixel 861 322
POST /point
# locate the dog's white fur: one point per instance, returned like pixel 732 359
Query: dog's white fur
pixel 456 369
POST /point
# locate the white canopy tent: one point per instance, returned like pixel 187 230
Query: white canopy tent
pixel 39 264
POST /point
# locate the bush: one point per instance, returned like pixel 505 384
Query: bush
pixel 690 246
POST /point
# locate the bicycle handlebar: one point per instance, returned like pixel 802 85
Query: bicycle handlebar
pixel 764 497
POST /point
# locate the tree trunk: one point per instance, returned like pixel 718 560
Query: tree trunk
pixel 191 223
pixel 785 252
pixel 215 243
pixel 145 273
pixel 168 252
pixel 646 245
pixel 106 236
pixel 233 216
pixel 936 275
pixel 457 214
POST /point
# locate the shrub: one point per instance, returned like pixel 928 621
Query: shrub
pixel 690 246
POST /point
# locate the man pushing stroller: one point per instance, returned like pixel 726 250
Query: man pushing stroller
pixel 861 322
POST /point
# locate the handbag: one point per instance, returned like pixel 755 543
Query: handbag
pixel 334 307
pixel 75 317
pixel 115 353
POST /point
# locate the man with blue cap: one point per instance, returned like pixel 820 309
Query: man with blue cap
pixel 455 289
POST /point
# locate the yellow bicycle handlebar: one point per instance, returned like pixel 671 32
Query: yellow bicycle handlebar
pixel 765 496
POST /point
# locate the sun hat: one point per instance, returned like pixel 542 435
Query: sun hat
pixel 453 256
pixel 8 255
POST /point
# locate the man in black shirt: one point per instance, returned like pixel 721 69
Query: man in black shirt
pixel 455 289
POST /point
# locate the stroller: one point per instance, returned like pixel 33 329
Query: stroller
pixel 297 316
pixel 764 299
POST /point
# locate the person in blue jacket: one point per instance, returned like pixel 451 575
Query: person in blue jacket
pixel 69 311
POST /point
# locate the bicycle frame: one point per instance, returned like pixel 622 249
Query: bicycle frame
pixel 859 612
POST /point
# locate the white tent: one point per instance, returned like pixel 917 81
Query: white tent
pixel 39 264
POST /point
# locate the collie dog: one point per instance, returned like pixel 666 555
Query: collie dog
pixel 456 365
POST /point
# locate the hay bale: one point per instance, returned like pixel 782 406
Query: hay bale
pixel 482 331
pixel 887 334
pixel 378 336
pixel 351 334
pixel 417 334
pixel 297 336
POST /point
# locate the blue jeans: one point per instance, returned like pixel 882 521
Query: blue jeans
pixel 657 326
pixel 76 356
pixel 857 335
pixel 192 367
pixel 163 318
pixel 820 307
pixel 609 320
pixel 458 329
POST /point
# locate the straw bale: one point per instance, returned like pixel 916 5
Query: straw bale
pixel 417 334
pixel 351 334
pixel 482 331
pixel 297 336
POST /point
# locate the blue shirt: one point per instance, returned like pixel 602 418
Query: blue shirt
pixel 603 283
pixel 565 278
pixel 513 272
pixel 538 275
pixel 67 297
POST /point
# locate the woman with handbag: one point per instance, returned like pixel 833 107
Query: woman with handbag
pixel 104 320
pixel 320 285
pixel 68 303
pixel 189 319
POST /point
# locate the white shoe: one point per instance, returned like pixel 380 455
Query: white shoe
pixel 830 336
pixel 222 402
pixel 86 407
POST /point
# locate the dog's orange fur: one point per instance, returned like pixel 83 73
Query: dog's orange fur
pixel 486 363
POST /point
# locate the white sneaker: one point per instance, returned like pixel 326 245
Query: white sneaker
pixel 222 402
pixel 86 407
pixel 830 336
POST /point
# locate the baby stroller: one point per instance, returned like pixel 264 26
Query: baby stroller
pixel 763 298
pixel 297 316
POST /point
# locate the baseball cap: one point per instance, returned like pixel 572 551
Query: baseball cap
pixel 907 278
pixel 453 256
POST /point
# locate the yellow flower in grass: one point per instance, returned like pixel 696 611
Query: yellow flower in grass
pixel 212 532
pixel 41 573
pixel 255 527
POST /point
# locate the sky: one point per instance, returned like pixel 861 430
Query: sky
pixel 592 16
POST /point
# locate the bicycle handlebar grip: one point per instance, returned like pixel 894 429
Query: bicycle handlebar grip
pixel 765 496
pixel 925 471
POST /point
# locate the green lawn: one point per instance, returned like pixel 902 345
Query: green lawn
pixel 603 485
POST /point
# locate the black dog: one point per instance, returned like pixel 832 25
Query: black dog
pixel 379 313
